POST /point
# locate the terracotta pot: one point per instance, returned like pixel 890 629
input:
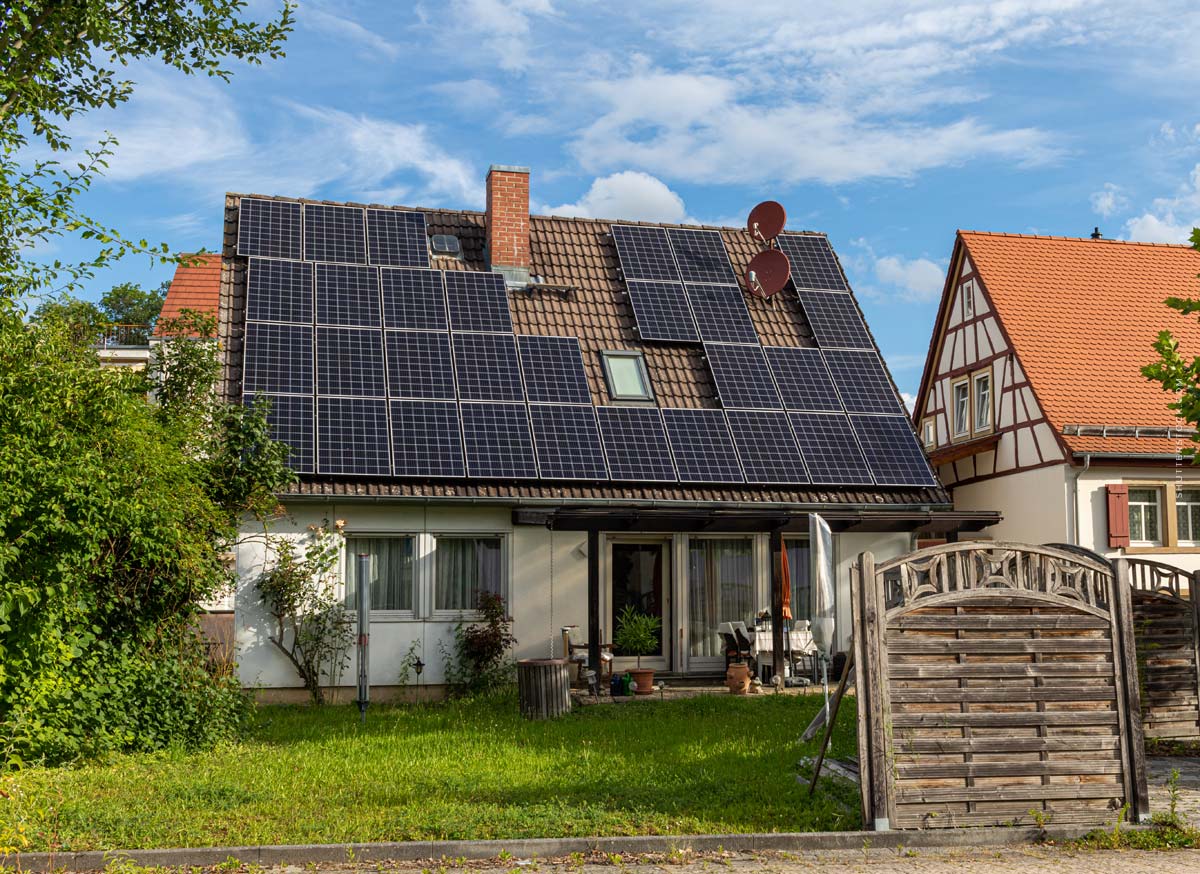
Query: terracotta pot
pixel 737 678
pixel 643 680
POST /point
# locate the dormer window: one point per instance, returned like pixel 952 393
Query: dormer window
pixel 625 373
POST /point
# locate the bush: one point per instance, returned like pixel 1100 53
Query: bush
pixel 482 658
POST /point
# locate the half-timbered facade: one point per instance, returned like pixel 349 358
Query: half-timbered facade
pixel 1032 401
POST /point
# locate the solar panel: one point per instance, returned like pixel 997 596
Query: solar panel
pixel 645 253
pixel 862 382
pixel 636 444
pixel 892 451
pixel 567 442
pixel 350 362
pixel 497 441
pixel 742 376
pixel 703 449
pixel 552 369
pixel 419 366
pixel 766 447
pixel 347 295
pixel 269 228
pixel 803 381
pixel 291 422
pixel 334 233
pixel 662 313
pixel 830 451
pixel 486 365
pixel 701 256
pixel 835 320
pixel 278 358
pixel 396 238
pixel 721 314
pixel 352 437
pixel 477 301
pixel 279 291
pixel 813 263
pixel 413 299
pixel 427 439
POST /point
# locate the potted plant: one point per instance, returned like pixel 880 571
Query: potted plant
pixel 637 635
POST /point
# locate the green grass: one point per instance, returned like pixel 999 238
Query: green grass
pixel 456 771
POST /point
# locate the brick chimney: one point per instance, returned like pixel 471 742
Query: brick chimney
pixel 508 222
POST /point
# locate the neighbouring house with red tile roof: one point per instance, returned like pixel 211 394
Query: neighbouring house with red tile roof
pixel 1032 401
pixel 576 414
pixel 196 286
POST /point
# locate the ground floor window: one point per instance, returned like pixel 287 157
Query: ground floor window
pixel 1187 512
pixel 1144 517
pixel 465 568
pixel 720 589
pixel 391 571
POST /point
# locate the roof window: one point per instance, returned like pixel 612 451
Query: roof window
pixel 625 373
pixel 445 246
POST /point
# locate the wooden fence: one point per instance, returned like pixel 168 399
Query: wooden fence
pixel 1166 627
pixel 996 680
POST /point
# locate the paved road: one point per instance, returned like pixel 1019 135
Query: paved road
pixel 1158 770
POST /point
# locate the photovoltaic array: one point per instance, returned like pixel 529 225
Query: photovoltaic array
pixel 376 365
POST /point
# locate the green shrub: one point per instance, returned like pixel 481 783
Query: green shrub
pixel 481 661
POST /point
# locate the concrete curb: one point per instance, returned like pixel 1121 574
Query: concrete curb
pixel 542 848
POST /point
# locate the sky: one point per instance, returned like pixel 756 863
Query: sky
pixel 885 125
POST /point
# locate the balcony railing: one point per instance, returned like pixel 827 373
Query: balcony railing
pixel 123 336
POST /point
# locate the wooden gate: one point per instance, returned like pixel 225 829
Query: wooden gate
pixel 1166 626
pixel 997 686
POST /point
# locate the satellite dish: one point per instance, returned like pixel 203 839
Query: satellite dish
pixel 766 221
pixel 768 272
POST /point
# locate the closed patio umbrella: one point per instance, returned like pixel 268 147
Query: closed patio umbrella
pixel 820 543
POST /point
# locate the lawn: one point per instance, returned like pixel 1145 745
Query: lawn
pixel 462 770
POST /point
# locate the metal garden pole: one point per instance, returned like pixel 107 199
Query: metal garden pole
pixel 363 594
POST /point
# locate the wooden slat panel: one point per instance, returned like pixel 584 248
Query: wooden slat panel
pixel 1100 816
pixel 992 622
pixel 1018 793
pixel 1011 768
pixel 918 645
pixel 915 670
pixel 982 744
pixel 1000 720
pixel 907 695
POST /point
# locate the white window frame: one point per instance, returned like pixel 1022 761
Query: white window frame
pixel 929 432
pixel 976 379
pixel 1141 506
pixel 1192 499
pixel 967 293
pixel 344 573
pixel 965 431
pixel 505 570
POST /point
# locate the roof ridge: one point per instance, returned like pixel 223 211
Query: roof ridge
pixel 964 233
pixel 532 215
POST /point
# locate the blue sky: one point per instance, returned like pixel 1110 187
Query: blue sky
pixel 886 125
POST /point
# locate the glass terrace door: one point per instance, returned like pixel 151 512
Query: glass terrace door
pixel 640 575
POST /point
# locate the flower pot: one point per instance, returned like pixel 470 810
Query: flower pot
pixel 643 679
pixel 737 678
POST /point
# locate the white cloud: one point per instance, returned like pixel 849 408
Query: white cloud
pixel 915 279
pixel 348 29
pixel 469 95
pixel 629 195
pixel 1169 219
pixel 1108 200
pixel 501 29
pixel 910 400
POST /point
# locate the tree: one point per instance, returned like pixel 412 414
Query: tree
pixel 124 304
pixel 115 514
pixel 59 60
pixel 129 304
pixel 1174 371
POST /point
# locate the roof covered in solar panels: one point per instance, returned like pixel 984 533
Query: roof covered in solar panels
pixel 556 451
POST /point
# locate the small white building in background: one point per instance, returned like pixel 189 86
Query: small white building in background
pixel 1032 401
pixel 364 325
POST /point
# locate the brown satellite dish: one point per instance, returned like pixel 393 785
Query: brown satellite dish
pixel 766 221
pixel 768 272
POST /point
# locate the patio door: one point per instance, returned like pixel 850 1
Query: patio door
pixel 721 587
pixel 640 576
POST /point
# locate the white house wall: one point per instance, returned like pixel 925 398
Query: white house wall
pixel 1032 502
pixel 541 599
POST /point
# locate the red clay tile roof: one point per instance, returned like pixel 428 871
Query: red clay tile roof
pixel 578 253
pixel 194 287
pixel 1082 315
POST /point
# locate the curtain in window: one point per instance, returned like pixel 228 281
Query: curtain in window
pixel 720 589
pixel 797 553
pixel 391 571
pixel 466 567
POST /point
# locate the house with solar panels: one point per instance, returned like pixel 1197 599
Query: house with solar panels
pixel 575 414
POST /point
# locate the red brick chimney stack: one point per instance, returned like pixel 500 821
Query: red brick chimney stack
pixel 508 221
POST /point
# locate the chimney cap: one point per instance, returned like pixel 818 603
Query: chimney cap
pixel 507 168
pixel 1096 235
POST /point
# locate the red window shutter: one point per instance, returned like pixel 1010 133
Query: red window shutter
pixel 1118 515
